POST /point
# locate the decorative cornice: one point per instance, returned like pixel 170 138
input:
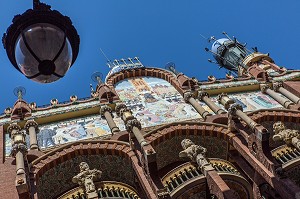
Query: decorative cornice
pixel 264 87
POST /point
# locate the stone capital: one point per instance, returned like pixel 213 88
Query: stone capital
pixel 264 87
pixel 220 96
pixel 187 96
pixel 202 94
pixel 31 123
pixel 18 147
pixel 277 85
pixel 121 108
pixel 133 123
pixel 12 127
pixel 233 108
pixel 104 109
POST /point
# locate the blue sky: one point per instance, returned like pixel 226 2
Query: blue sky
pixel 157 31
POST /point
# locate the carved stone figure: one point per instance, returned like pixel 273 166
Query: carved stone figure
pixel 195 152
pixel 289 136
pixel 86 178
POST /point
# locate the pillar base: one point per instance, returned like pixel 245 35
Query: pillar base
pixel 21 184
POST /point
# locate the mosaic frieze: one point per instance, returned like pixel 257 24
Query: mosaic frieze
pixel 168 151
pixel 228 84
pixel 64 109
pixel 58 179
pixel 70 131
pixel 287 77
pixel 154 101
pixel 251 101
pixel 269 125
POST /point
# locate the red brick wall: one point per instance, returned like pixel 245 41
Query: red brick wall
pixel 293 87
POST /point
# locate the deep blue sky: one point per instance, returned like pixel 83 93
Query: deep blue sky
pixel 156 31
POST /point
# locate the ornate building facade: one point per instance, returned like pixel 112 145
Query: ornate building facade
pixel 155 133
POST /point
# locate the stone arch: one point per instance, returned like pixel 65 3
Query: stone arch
pixel 53 171
pixel 166 140
pixel 148 72
pixel 267 118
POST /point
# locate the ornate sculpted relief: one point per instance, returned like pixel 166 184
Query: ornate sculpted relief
pixel 269 125
pixel 167 152
pixel 289 136
pixel 58 179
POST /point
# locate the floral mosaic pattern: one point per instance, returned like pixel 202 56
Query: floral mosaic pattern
pixel 167 152
pixel 154 101
pixel 58 179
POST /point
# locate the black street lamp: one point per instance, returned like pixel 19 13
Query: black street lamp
pixel 41 43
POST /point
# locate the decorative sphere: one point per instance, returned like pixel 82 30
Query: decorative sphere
pixel 217 44
pixel 43 53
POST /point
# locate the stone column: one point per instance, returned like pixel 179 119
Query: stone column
pixel 31 128
pixel 284 102
pixel 278 87
pixel 237 110
pixel 131 123
pixel 225 100
pixel 106 113
pixel 19 150
pixel 204 96
pixel 188 97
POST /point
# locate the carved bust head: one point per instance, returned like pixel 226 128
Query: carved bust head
pixel 83 166
pixel 277 127
pixel 186 143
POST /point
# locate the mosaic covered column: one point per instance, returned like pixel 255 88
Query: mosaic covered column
pixel 131 123
pixel 188 97
pixel 225 100
pixel 284 102
pixel 31 128
pixel 204 96
pixel 278 87
pixel 106 113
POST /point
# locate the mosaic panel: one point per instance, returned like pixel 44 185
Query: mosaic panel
pixel 154 101
pixel 69 131
pixel 251 101
pixel 228 84
pixel 58 179
pixel 167 152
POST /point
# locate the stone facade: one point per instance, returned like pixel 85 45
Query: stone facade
pixel 131 129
